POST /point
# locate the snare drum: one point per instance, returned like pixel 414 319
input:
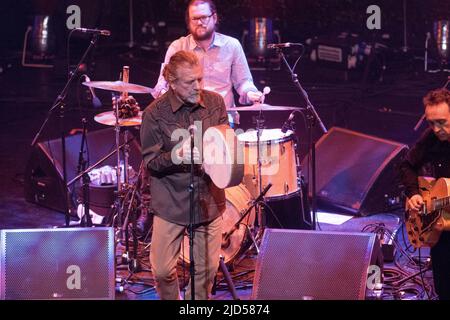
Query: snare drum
pixel 277 153
pixel 238 199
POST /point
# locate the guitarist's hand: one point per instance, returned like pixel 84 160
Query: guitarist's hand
pixel 415 202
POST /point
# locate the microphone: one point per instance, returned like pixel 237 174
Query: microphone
pixel 192 129
pixel 95 100
pixel 282 45
pixel 94 31
pixel 287 123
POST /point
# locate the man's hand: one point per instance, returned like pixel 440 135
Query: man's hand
pixel 255 97
pixel 184 152
pixel 415 202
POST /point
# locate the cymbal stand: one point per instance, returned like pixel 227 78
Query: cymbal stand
pixel 226 241
pixel 226 236
pixel 123 205
pixel 131 214
pixel 117 135
pixel 259 128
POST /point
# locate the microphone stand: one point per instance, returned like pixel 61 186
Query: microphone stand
pixel 60 103
pixel 191 222
pixel 313 119
pixel 86 179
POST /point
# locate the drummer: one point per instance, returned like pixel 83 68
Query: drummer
pixel 222 58
pixel 184 104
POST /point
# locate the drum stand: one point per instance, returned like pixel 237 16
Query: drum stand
pixel 226 242
pixel 255 203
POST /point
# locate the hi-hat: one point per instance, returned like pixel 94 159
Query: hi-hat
pixel 109 118
pixel 264 107
pixel 119 86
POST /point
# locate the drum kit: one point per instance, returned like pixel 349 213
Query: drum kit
pixel 260 172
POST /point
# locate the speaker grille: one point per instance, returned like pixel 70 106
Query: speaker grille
pixel 299 264
pixel 46 263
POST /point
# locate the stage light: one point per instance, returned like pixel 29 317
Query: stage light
pixel 441 31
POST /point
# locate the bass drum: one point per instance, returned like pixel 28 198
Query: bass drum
pixel 237 201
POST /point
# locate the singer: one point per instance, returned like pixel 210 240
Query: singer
pixel 183 104
pixel 224 63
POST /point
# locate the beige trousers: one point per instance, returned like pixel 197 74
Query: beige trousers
pixel 165 250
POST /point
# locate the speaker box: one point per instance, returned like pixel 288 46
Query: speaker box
pixel 73 263
pixel 44 170
pixel 301 264
pixel 357 172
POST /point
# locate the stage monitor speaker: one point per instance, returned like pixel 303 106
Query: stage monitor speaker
pixel 316 265
pixel 44 170
pixel 73 263
pixel 357 172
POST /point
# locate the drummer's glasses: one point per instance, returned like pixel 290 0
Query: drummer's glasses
pixel 202 19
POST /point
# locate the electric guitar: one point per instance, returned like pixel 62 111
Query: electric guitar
pixel 425 226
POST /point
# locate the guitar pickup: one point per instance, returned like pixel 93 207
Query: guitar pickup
pixel 423 209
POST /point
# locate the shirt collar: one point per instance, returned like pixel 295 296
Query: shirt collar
pixel 176 103
pixel 218 41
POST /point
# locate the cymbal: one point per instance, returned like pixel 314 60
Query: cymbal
pixel 264 107
pixel 119 86
pixel 109 118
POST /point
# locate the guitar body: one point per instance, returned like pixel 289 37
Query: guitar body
pixel 424 227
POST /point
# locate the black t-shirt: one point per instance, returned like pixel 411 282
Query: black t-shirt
pixel 428 157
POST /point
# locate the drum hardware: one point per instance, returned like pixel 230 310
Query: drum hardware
pixel 313 119
pixel 118 86
pixel 125 113
pixel 226 235
pixel 259 107
pixel 259 127
pixel 237 201
pixel 125 190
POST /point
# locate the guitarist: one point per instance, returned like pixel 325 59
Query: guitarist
pixel 431 156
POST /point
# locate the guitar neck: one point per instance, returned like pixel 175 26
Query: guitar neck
pixel 441 203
